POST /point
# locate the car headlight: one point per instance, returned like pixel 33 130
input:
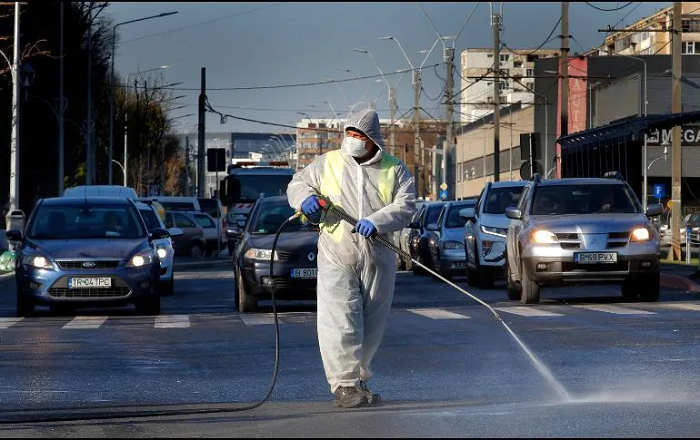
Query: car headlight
pixel 543 237
pixel 640 234
pixel 501 232
pixel 37 261
pixel 162 253
pixel 141 259
pixel 260 254
pixel 448 245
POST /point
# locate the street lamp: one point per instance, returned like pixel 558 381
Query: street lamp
pixel 111 79
pixel 359 83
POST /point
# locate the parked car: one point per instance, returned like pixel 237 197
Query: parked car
pixel 192 241
pixel 164 247
pixel 418 239
pixel 295 268
pixel 484 239
pixel 212 239
pixel 584 230
pixel 404 238
pixel 86 252
pixel 445 243
pixel 215 209
pixel 100 190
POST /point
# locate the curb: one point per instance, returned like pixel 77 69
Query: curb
pixel 679 282
pixel 6 275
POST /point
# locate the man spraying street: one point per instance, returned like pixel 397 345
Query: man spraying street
pixel 355 275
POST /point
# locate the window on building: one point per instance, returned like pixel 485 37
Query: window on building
pixel 505 57
pixel 489 55
pixel 459 171
pixel 644 35
pixel 688 47
pixel 517 64
pixel 502 85
pixel 531 58
pixel 530 72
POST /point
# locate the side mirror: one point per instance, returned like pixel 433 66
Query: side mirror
pixel 513 213
pixel 467 214
pixel 175 232
pixel 159 233
pixel 413 225
pixel 432 227
pixel 14 235
pixel 233 232
pixel 654 210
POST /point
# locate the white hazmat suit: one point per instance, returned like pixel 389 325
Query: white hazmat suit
pixel 355 275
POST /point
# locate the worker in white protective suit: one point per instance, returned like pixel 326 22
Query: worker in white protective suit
pixel 355 274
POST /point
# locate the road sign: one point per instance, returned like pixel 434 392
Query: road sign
pixel 443 186
pixel 443 194
pixel 659 191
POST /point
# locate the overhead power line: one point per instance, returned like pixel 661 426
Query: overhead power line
pixel 608 10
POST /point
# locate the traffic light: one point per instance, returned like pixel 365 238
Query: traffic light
pixel 216 159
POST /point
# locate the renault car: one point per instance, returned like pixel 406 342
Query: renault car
pixel 584 230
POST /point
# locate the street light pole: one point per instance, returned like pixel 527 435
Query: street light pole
pixel 14 139
pixel 111 79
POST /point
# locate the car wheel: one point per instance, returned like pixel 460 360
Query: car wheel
pixel 149 306
pixel 651 290
pixel 25 307
pixel 513 288
pixel 629 290
pixel 168 288
pixel 246 302
pixel 196 250
pixel 530 290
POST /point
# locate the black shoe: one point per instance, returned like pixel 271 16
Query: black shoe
pixel 372 398
pixel 348 397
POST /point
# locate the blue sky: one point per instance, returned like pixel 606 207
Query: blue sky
pixel 270 44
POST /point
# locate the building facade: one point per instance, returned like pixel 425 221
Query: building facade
pixel 517 70
pixel 651 37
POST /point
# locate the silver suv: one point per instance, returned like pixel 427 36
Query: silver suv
pixel 585 230
pixel 485 232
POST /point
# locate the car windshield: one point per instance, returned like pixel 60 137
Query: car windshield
pixel 583 199
pixel 498 199
pixel 270 217
pixel 453 219
pixel 150 218
pixel 247 188
pixel 204 221
pixel 86 221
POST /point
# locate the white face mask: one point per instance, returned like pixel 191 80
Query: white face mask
pixel 353 146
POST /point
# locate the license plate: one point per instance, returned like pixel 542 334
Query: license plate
pixel 304 273
pixel 595 257
pixel 459 264
pixel 89 283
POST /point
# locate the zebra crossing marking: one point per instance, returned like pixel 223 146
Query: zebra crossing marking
pixel 172 321
pixel 437 314
pixel 86 322
pixel 684 306
pixel 614 309
pixel 8 322
pixel 526 311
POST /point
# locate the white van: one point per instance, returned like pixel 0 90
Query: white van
pixel 100 191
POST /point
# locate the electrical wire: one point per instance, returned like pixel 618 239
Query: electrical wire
pixel 609 10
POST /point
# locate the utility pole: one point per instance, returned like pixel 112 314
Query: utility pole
pixel 496 23
pixel 88 139
pixel 392 115
pixel 447 149
pixel 564 59
pixel 14 140
pixel 126 133
pixel 676 150
pixel 61 107
pixel 187 166
pixel 416 126
pixel 200 147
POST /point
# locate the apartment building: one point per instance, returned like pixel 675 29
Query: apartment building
pixel 651 38
pixel 517 70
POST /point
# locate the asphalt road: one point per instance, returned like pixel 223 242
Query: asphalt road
pixel 446 367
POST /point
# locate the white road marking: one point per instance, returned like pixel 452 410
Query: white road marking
pixel 172 321
pixel 8 322
pixel 260 319
pixel 86 322
pixel 437 314
pixel 684 306
pixel 527 311
pixel 614 309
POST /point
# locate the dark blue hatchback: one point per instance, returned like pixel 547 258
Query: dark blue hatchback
pixel 86 252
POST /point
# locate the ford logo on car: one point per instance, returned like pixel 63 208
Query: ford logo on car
pixel 88 264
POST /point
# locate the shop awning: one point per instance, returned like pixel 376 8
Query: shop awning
pixel 623 131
